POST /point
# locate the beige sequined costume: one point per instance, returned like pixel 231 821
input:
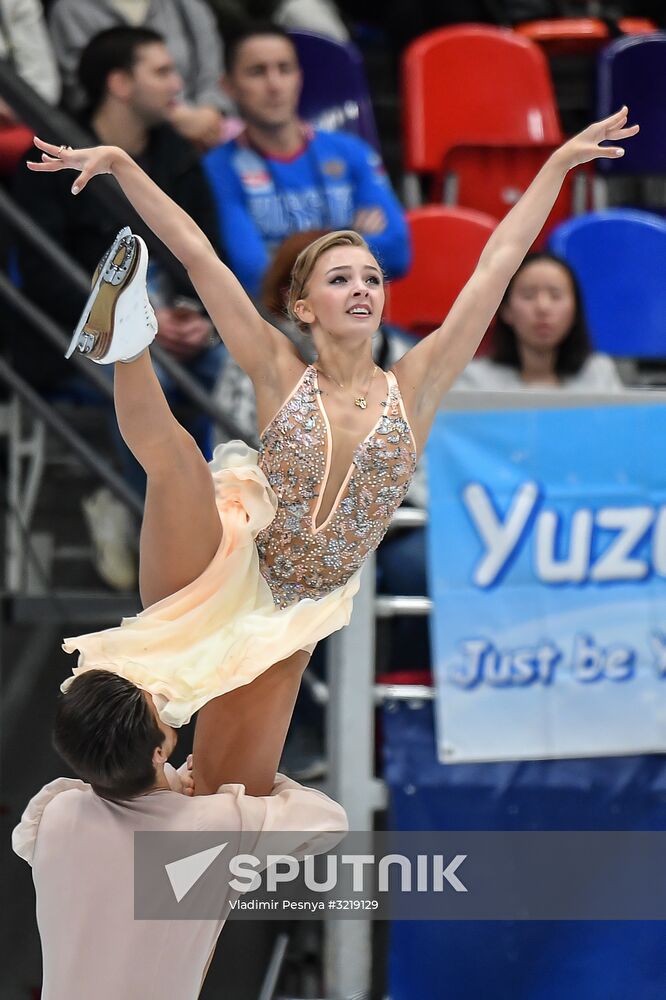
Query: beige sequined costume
pixel 279 581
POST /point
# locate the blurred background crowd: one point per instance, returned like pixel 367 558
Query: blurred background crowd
pixel 272 121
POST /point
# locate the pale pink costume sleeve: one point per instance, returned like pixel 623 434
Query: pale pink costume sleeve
pixel 25 834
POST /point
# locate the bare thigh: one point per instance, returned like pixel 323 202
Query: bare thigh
pixel 181 529
pixel 239 737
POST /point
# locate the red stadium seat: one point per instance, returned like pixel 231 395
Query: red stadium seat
pixel 572 35
pixel 491 179
pixel 480 119
pixel 446 245
pixel 15 143
pixel 471 86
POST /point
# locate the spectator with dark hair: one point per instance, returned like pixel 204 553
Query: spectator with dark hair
pixel 540 338
pixel 190 33
pixel 281 177
pixel 131 84
pixel 78 836
pixel 25 44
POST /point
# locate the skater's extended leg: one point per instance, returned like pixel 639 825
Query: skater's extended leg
pixel 181 528
pixel 239 737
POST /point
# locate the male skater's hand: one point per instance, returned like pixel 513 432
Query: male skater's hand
pixel 186 775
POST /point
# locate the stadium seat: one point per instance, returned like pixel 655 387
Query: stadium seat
pixel 446 245
pixel 481 120
pixel 620 258
pixel 15 143
pixel 474 86
pixel 574 35
pixel 491 179
pixel 632 71
pixel 335 93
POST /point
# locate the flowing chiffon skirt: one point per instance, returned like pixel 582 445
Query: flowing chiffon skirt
pixel 223 629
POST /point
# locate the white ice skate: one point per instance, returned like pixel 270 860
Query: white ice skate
pixel 118 321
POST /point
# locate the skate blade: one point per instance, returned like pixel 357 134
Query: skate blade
pixel 93 332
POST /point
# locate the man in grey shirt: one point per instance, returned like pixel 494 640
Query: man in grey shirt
pixel 190 32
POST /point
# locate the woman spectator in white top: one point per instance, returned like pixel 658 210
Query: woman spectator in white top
pixel 540 338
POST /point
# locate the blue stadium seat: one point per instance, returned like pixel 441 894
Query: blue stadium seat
pixel 335 93
pixel 632 71
pixel 620 257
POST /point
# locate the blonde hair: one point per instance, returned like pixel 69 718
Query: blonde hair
pixel 305 263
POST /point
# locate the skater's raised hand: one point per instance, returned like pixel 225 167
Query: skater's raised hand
pixel 429 368
pixel 586 145
pixel 90 162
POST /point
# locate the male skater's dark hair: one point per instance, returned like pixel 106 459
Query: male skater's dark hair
pixel 105 730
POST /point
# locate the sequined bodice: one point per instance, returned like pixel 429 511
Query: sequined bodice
pixel 298 559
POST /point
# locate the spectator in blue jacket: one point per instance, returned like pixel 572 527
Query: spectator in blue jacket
pixel 279 176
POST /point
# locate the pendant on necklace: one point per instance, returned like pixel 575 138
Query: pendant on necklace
pixel 361 402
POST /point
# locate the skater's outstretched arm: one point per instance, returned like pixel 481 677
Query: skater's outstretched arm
pixel 258 347
pixel 429 369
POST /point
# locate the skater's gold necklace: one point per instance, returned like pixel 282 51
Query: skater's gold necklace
pixel 360 401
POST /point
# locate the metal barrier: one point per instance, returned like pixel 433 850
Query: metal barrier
pixel 29 447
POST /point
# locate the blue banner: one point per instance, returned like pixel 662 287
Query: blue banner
pixel 547 561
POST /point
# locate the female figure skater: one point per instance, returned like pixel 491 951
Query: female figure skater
pixel 249 567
